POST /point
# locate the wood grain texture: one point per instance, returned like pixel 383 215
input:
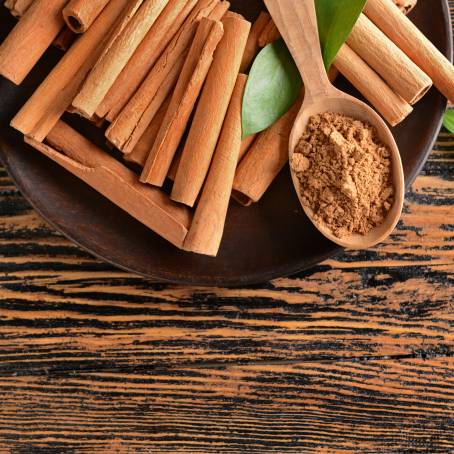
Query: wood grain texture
pixel 353 356
pixel 382 406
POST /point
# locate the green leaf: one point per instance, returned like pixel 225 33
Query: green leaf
pixel 274 84
pixel 448 121
pixel 336 19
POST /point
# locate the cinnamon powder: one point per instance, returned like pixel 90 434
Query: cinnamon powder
pixel 345 174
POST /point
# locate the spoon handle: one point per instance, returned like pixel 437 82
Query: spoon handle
pixel 297 22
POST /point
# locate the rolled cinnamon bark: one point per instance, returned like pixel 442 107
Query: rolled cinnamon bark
pixel 174 167
pixel 405 5
pixel 9 4
pixel 220 10
pixel 42 111
pixel 391 63
pixel 65 39
pixel 116 182
pixel 80 14
pixel 109 66
pixel 252 45
pixel 122 22
pixel 207 228
pixel 388 103
pixel 187 90
pixel 145 57
pixel 19 7
pixel 161 92
pixel 211 110
pixel 269 34
pixel 141 151
pixel 246 144
pixel 126 130
pixel 30 38
pixel 264 160
pixel 412 41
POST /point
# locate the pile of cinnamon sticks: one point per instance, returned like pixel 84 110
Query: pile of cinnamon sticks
pixel 167 79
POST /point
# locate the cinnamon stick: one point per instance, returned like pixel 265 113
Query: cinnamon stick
pixel 389 104
pixel 412 41
pixel 141 151
pixel 42 111
pixel 391 63
pixel 252 45
pixel 65 39
pixel 80 14
pixel 264 161
pixel 126 130
pixel 30 38
pixel 9 4
pixel 269 34
pixel 211 110
pixel 116 182
pixel 107 69
pixel 19 7
pixel 246 143
pixel 145 57
pixel 187 90
pixel 220 10
pixel 405 5
pixel 174 167
pixel 121 23
pixel 205 233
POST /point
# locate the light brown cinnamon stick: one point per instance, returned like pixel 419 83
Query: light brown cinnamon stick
pixel 107 69
pixel 145 57
pixel 65 39
pixel 391 63
pixel 264 160
pixel 9 4
pixel 187 90
pixel 141 151
pixel 174 167
pixel 126 130
pixel 252 45
pixel 19 7
pixel 30 38
pixel 270 33
pixel 80 14
pixel 211 110
pixel 405 5
pixel 246 143
pixel 220 10
pixel 390 105
pixel 412 41
pixel 114 181
pixel 122 22
pixel 205 233
pixel 42 111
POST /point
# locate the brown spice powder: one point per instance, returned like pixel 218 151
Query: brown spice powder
pixel 345 174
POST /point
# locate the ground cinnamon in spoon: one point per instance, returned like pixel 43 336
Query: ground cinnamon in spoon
pixel 345 174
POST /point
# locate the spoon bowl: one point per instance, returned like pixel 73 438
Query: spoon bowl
pixel 297 22
pixel 339 102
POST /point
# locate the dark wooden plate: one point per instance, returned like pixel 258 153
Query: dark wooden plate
pixel 263 242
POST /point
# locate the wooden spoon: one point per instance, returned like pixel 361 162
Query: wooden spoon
pixel 297 22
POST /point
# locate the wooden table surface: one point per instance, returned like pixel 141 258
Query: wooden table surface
pixel 354 356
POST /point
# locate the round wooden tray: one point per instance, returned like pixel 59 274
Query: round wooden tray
pixel 266 241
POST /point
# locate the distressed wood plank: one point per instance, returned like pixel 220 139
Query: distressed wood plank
pixel 358 407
